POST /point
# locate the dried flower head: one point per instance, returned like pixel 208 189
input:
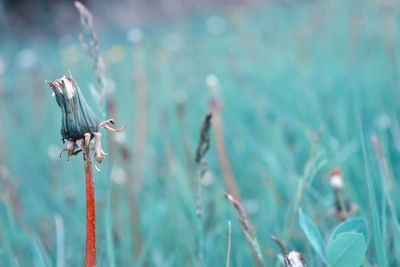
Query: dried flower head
pixel 76 116
pixel 336 179
pixel 342 208
pixel 79 124
pixel 291 259
pixel 204 140
pixel 294 259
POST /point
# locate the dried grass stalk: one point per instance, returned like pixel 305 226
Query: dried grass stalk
pixel 202 148
pixel 247 229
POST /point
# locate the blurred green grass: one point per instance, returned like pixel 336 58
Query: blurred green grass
pixel 286 72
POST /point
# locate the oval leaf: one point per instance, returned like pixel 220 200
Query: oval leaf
pixel 357 225
pixel 346 249
pixel 313 234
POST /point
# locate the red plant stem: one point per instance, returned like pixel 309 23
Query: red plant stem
pixel 90 258
pixel 222 156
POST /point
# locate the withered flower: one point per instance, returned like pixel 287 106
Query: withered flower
pixel 79 124
pixel 290 259
pixel 342 208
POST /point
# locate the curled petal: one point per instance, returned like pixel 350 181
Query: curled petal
pixel 61 152
pixel 105 123
pixel 70 148
pixel 116 130
pixel 88 136
pixel 99 154
pixel 103 153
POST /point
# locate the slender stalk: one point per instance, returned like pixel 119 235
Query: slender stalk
pixel 247 229
pixel 90 43
pixel 90 258
pixel 222 156
pixel 215 104
pixel 228 252
pixel 313 165
pixel 292 213
pixel 339 194
pixel 387 184
pixel 379 244
pixel 202 148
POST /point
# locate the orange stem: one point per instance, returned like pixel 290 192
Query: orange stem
pixel 90 258
pixel 222 156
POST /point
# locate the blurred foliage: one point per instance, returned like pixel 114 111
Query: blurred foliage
pixel 294 80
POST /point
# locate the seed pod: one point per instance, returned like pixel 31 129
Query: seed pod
pixel 77 118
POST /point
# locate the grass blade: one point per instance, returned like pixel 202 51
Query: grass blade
pixel 376 227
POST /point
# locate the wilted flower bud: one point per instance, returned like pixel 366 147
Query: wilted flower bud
pixel 79 124
pixel 77 118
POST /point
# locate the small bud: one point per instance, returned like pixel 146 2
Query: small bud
pixel 77 118
pixel 336 179
pixel 213 86
pixel 78 123
pixel 337 182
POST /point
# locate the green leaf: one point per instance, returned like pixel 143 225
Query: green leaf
pixel 313 234
pixel 357 225
pixel 346 250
